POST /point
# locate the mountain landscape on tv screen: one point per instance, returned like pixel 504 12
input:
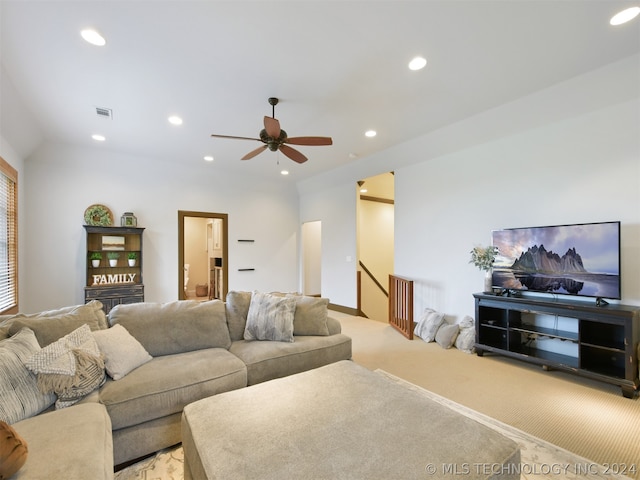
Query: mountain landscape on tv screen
pixel 538 259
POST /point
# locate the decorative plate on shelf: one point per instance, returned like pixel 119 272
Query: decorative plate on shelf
pixel 98 215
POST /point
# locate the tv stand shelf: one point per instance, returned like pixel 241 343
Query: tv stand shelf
pixel 605 338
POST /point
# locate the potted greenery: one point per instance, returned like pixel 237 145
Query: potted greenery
pixel 131 258
pixel 95 258
pixel 483 258
pixel 113 258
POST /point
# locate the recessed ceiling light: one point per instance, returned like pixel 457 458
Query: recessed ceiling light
pixel 363 190
pixel 370 133
pixel 625 16
pixel 175 120
pixel 98 138
pixel 93 37
pixel 417 63
pixel 208 158
pixel 284 172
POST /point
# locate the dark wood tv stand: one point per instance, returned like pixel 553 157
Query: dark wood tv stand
pixel 605 338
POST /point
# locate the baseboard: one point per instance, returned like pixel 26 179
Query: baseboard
pixel 342 309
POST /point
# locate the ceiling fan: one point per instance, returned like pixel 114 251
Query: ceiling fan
pixel 274 138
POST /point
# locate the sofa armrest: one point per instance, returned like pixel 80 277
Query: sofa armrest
pixel 334 326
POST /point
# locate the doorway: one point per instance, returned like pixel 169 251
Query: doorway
pixel 203 271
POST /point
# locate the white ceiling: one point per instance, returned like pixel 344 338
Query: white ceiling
pixel 339 68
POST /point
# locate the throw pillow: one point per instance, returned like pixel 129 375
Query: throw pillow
pixel 51 325
pixel 466 339
pixel 13 451
pixel 71 367
pixel 237 308
pixel 428 325
pixel 310 316
pixel 446 334
pixel 270 317
pixel 20 397
pixel 122 352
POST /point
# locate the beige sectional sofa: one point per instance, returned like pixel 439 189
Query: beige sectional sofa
pixel 158 358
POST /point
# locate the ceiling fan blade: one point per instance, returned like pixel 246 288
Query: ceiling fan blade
pixel 253 153
pixel 272 126
pixel 293 154
pixel 309 141
pixel 236 138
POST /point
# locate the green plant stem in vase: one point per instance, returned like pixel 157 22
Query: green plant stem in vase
pixel 95 258
pixel 483 258
pixel 131 258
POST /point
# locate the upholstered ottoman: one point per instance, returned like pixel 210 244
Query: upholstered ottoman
pixel 340 421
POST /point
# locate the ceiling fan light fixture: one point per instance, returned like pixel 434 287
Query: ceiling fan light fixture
pixel 417 63
pixel 93 37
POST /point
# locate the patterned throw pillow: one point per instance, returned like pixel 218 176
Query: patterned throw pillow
pixel 428 325
pixel 270 317
pixel 20 397
pixel 71 367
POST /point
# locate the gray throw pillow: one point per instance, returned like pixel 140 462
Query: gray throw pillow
pixel 20 397
pixel 174 327
pixel 466 339
pixel 428 325
pixel 447 334
pixel 270 317
pixel 310 317
pixel 237 308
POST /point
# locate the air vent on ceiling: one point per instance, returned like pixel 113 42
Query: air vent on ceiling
pixel 104 112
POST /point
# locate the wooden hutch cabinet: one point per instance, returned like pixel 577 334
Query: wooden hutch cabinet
pixel 121 283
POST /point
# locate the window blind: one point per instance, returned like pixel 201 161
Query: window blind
pixel 8 237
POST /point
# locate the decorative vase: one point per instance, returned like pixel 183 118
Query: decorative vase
pixel 95 263
pixel 113 262
pixel 488 281
pixel 132 262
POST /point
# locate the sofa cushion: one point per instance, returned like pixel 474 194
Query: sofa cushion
pixel 237 308
pixel 174 327
pixel 167 383
pixel 121 351
pixel 51 325
pixel 270 317
pixel 71 367
pixel 19 394
pixel 269 360
pixel 72 443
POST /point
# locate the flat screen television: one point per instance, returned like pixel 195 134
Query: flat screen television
pixel 581 259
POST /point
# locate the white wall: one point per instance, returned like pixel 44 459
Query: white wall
pixel 568 154
pixel 62 181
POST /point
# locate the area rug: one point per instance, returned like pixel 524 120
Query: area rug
pixel 540 460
